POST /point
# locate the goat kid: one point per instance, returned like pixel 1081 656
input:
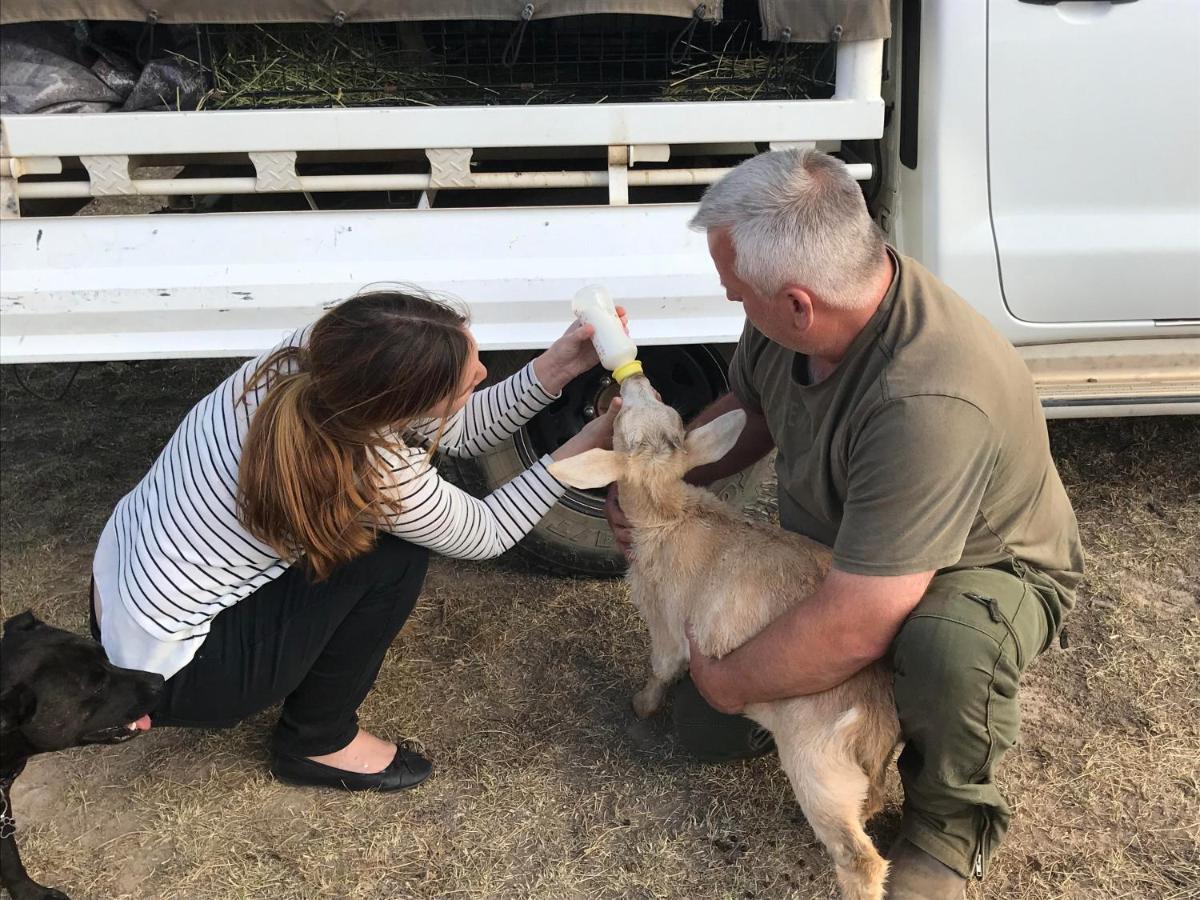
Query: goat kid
pixel 695 560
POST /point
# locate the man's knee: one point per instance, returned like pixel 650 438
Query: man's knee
pixel 956 663
pixel 943 674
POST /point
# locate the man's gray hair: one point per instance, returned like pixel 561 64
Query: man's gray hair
pixel 797 217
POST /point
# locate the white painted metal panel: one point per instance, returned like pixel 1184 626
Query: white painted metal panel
pixel 1094 145
pixel 943 217
pixel 230 284
pixel 403 128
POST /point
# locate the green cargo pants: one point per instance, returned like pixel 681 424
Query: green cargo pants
pixel 957 661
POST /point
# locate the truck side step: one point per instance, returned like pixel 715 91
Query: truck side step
pixel 1155 376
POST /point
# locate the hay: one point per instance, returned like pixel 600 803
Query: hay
pixel 287 67
pixel 296 66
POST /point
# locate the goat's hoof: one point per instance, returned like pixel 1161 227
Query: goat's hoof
pixel 645 705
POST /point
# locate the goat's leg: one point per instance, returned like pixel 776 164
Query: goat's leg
pixel 665 668
pixel 668 660
pixel 875 796
pixel 831 787
pixel 877 769
pixel 668 648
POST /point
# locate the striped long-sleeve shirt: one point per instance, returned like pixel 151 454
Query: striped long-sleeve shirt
pixel 174 554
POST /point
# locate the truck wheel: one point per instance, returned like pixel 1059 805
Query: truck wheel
pixel 574 536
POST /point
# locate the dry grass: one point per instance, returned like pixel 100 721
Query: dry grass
pixel 518 685
pixel 266 66
pixel 301 66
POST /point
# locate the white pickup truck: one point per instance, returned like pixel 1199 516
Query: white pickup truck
pixel 1042 157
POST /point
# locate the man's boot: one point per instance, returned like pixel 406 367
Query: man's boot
pixel 915 875
pixel 713 736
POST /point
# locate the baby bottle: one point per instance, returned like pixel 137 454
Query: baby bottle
pixel 593 305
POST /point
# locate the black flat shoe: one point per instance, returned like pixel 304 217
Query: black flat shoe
pixel 408 769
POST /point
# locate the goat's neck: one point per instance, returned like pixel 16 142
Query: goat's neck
pixel 651 503
pixel 662 503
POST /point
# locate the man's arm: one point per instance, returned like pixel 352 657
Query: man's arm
pixel 845 626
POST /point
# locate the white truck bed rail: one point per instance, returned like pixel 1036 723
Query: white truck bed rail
pixel 135 286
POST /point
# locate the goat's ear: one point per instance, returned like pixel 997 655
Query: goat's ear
pixel 590 469
pixel 711 442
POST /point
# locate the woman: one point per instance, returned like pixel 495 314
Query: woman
pixel 280 540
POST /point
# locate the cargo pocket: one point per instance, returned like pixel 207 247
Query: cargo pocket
pixel 992 605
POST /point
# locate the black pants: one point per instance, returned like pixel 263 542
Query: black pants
pixel 315 646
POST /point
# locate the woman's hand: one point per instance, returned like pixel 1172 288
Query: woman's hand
pixel 596 434
pixel 571 355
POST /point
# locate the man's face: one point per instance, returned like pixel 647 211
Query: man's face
pixel 773 316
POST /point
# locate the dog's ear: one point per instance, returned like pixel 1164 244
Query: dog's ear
pixel 25 621
pixel 17 706
pixel 590 469
pixel 711 442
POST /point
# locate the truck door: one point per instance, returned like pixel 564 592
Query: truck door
pixel 1094 158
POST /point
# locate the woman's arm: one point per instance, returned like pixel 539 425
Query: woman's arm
pixel 491 416
pixel 494 414
pixel 447 520
pixel 436 514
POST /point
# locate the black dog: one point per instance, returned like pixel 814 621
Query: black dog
pixel 58 690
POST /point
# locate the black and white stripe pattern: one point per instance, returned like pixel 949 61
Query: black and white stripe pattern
pixel 181 555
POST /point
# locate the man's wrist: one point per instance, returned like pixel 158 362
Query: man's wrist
pixel 729 688
pixel 718 681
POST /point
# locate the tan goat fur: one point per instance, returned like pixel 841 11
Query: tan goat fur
pixel 696 560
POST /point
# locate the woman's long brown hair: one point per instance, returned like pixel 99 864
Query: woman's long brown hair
pixel 310 482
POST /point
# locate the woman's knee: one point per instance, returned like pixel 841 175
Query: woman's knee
pixel 399 554
pixel 390 561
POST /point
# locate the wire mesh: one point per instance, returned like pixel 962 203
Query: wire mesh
pixel 578 59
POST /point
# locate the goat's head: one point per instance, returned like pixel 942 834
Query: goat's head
pixel 650 445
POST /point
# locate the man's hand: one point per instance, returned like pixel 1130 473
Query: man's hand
pixel 710 679
pixel 621 529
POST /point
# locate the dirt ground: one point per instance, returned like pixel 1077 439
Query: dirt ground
pixel 518 685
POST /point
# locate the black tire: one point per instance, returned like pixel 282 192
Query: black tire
pixel 574 537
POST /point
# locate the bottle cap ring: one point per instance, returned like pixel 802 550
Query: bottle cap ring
pixel 620 373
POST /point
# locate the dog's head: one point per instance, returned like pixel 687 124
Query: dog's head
pixel 58 690
pixel 650 443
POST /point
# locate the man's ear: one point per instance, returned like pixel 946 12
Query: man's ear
pixel 17 705
pixel 800 304
pixel 711 442
pixel 590 469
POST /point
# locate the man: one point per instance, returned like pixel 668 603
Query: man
pixel 910 440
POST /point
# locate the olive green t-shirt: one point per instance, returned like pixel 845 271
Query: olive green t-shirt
pixel 925 449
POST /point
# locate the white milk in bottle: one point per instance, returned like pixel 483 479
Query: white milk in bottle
pixel 593 305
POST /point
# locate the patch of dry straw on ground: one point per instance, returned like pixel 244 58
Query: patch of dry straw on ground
pixel 518 685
